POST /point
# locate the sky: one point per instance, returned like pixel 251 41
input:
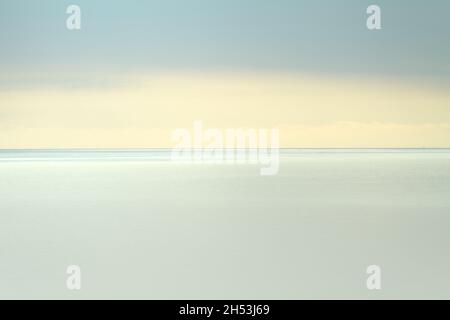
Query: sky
pixel 138 70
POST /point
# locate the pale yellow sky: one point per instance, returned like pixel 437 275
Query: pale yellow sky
pixel 309 110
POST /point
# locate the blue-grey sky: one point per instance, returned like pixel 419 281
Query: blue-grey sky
pixel 139 69
pixel 323 36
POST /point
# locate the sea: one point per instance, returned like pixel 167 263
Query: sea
pixel 140 226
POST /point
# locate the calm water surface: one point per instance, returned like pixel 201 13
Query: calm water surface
pixel 159 230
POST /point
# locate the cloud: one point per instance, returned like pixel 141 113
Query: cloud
pixel 310 110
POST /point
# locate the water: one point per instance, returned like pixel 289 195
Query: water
pixel 158 230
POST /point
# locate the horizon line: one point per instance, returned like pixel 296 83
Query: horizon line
pixel 225 148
